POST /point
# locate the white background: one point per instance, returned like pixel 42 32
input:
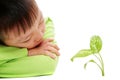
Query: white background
pixel 75 22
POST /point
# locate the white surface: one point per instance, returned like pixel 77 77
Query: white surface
pixel 75 22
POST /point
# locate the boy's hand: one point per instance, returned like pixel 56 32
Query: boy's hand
pixel 45 48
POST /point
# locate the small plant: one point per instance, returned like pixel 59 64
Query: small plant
pixel 95 47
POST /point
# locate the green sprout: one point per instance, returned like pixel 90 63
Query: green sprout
pixel 95 47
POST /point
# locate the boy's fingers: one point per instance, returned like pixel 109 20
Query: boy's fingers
pixel 47 53
pixel 54 45
pixel 49 40
pixel 53 50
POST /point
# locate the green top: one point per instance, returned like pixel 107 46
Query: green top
pixel 14 62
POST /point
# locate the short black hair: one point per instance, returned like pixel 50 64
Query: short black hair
pixel 17 13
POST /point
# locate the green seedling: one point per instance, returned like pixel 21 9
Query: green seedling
pixel 95 47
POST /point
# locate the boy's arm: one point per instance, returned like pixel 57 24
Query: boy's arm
pixel 7 52
pixel 50 32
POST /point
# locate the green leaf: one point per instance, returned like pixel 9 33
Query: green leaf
pixel 82 53
pixel 88 62
pixel 95 44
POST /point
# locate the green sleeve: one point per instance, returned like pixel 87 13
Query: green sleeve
pixel 49 31
pixel 7 53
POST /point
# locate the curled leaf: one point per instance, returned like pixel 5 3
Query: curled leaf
pixel 82 53
pixel 96 44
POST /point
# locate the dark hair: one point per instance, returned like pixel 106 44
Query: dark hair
pixel 17 13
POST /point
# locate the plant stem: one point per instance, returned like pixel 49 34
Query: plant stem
pixel 101 62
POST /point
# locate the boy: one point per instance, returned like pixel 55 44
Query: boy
pixel 22 25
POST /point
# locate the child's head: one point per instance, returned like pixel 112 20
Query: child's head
pixel 21 23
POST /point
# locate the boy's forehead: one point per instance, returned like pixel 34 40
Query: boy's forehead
pixel 18 32
pixel 15 34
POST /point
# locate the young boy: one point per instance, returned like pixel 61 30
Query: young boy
pixel 22 25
